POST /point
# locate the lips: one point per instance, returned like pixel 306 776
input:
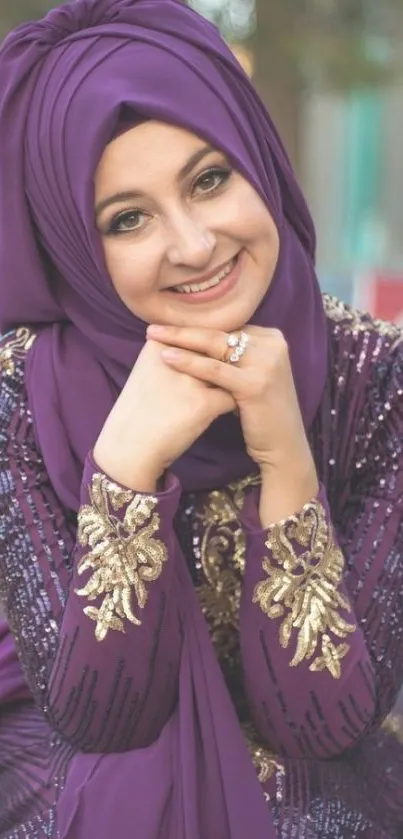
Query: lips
pixel 209 281
pixel 214 287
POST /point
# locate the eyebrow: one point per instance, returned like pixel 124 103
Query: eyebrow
pixel 128 195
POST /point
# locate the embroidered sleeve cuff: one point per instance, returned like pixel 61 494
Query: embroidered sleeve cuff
pixel 123 545
pixel 167 497
pixel 296 581
pixel 251 520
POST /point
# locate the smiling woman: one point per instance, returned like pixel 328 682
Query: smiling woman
pixel 181 226
pixel 201 465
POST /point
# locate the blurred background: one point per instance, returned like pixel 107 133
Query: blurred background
pixel 331 74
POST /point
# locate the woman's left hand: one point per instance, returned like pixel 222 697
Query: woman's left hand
pixel 261 383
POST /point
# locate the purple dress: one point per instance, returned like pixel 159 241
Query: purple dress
pixel 306 617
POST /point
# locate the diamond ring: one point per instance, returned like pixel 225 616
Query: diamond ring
pixel 236 345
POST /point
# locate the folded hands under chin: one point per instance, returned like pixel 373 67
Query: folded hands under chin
pixel 262 386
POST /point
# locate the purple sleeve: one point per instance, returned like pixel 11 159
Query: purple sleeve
pixel 322 605
pixel 92 607
pixel 114 680
pixel 308 672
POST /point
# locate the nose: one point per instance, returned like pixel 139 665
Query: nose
pixel 191 243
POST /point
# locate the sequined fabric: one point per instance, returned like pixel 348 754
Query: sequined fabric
pixel 329 764
pixel 124 553
pixel 301 586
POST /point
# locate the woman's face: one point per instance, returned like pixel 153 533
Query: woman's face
pixel 187 240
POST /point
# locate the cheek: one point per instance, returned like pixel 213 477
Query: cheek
pixel 261 234
pixel 254 219
pixel 133 270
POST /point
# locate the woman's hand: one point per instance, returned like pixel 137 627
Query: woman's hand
pixel 158 415
pixel 262 386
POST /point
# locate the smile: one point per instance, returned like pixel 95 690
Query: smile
pixel 213 281
pixel 214 287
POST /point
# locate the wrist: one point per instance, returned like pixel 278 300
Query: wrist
pixel 291 456
pixel 139 475
pixel 285 489
pixel 300 471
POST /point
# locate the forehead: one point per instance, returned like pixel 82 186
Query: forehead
pixel 147 151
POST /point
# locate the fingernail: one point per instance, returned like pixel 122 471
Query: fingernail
pixel 155 329
pixel 171 354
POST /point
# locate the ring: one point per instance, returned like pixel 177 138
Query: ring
pixel 237 344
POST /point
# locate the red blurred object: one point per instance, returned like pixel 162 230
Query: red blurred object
pixel 381 295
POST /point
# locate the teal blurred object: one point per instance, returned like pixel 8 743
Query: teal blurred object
pixel 338 284
pixel 362 233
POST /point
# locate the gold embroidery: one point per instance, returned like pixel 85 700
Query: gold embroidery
pixel 356 321
pixel 394 725
pixel 265 762
pixel 15 349
pixel 220 595
pixel 303 588
pixel 124 555
pixel 223 563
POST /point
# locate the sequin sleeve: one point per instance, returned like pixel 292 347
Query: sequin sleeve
pixel 322 605
pixel 305 660
pixel 116 668
pixel 91 603
pixel 370 528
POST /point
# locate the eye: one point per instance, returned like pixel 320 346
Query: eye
pixel 212 179
pixel 130 220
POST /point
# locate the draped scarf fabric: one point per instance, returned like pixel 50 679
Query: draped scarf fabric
pixel 64 83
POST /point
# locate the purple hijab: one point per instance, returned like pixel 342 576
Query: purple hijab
pixel 64 83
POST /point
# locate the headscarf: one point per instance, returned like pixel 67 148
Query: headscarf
pixel 64 82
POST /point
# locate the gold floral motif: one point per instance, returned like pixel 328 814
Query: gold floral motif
pixel 356 321
pixel 220 594
pixel 224 537
pixel 265 762
pixel 124 555
pixel 223 564
pixel 15 348
pixel 303 589
pixel 394 725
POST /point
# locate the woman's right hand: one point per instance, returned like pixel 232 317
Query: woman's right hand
pixel 156 418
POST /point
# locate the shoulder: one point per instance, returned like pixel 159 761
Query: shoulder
pixel 14 348
pixel 364 352
pixel 348 322
pixel 364 395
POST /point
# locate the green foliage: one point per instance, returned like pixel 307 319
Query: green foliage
pixel 336 44
pixel 235 18
pixel 339 44
pixel 14 12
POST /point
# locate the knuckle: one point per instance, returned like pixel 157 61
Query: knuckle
pixel 220 345
pixel 280 342
pixel 172 332
pixel 215 368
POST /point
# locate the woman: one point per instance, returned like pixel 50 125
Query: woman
pixel 201 459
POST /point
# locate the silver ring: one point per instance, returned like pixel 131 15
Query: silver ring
pixel 238 344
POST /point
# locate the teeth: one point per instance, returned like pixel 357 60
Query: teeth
pixel 191 289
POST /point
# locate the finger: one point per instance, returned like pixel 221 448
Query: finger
pixel 210 370
pixel 222 402
pixel 211 342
